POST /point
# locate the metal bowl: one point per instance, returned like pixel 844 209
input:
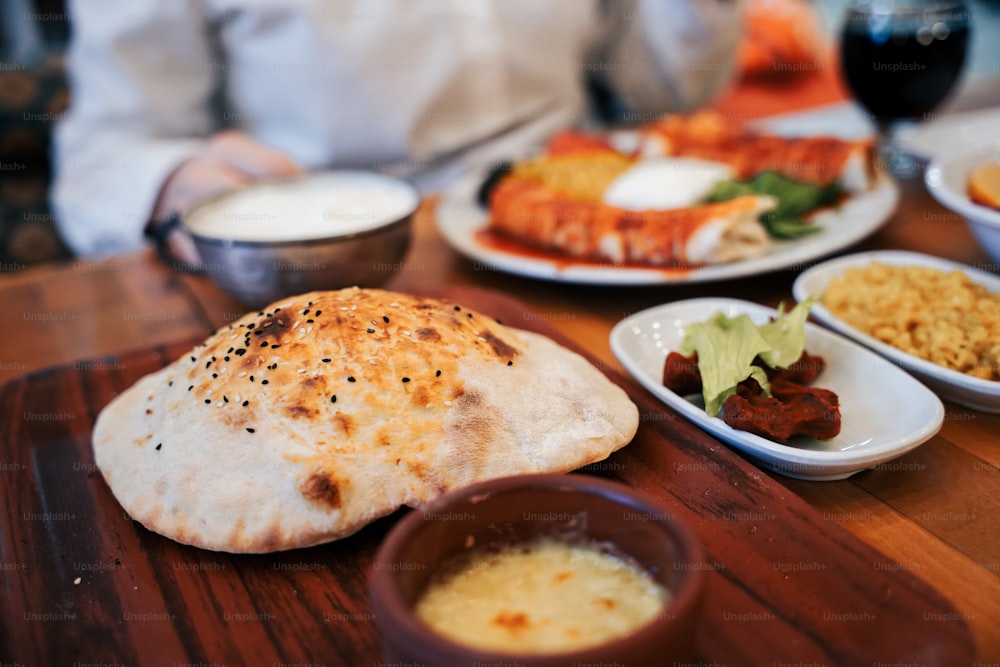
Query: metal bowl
pixel 259 271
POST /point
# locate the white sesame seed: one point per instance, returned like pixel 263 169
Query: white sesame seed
pixel 243 374
pixel 406 332
pixel 344 308
pixel 481 338
pixel 447 404
pixel 301 370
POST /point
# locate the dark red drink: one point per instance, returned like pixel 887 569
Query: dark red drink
pixel 900 63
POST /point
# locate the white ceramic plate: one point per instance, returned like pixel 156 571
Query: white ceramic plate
pixel 884 411
pixel 963 389
pixel 957 132
pixel 459 218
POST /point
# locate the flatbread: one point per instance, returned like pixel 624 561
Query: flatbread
pixel 304 422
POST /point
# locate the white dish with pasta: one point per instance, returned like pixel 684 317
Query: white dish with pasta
pixel 966 390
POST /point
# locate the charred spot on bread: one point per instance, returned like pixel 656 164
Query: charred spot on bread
pixel 500 347
pixel 300 412
pixel 345 422
pixel 428 334
pixel 321 487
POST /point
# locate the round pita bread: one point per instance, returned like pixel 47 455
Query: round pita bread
pixel 302 423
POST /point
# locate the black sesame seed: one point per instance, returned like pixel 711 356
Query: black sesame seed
pixel 190 387
pixel 226 358
pixel 246 403
pixel 193 359
pixel 158 446
pixel 350 378
pixel 240 352
pixel 309 321
pixel 264 343
pixel 305 312
pixel 318 313
pixel 252 324
pixel 251 378
pixel 225 398
pixel 170 384
pixel 275 346
pixel 277 310
pixel 510 363
pixel 437 374
pixel 228 351
pixel 385 319
pixel 215 375
pixel 263 381
pixel 405 379
pixel 326 360
pixel 469 316
pixel 370 330
pixel 207 364
pixel 208 401
pixel 333 399
pixel 250 430
pixel 458 308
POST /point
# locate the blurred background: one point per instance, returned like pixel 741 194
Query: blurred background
pixel 34 93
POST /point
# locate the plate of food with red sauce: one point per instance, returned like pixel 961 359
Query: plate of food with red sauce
pixel 797 399
pixel 682 199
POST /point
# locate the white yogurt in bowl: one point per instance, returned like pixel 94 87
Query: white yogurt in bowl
pixel 316 206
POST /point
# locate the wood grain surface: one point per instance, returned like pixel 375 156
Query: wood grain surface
pixel 82 583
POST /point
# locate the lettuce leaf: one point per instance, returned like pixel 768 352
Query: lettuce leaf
pixel 786 335
pixel 728 346
pixel 795 200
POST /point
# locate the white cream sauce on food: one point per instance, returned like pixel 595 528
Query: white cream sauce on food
pixel 665 183
pixel 544 596
pixel 311 207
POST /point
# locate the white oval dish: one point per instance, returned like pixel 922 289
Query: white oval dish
pixel 963 389
pixel 884 411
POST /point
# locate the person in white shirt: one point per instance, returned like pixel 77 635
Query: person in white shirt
pixel 176 100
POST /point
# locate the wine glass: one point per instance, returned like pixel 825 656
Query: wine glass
pixel 900 59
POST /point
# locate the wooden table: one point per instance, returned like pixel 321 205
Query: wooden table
pixel 937 514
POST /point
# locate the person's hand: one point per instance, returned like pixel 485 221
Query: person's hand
pixel 230 159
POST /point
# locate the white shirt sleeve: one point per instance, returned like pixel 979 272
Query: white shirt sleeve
pixel 142 76
pixel 671 55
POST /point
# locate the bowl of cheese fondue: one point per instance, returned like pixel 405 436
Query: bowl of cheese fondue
pixel 323 230
pixel 538 570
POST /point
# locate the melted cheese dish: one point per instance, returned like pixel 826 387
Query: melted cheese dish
pixel 542 597
pixel 313 207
